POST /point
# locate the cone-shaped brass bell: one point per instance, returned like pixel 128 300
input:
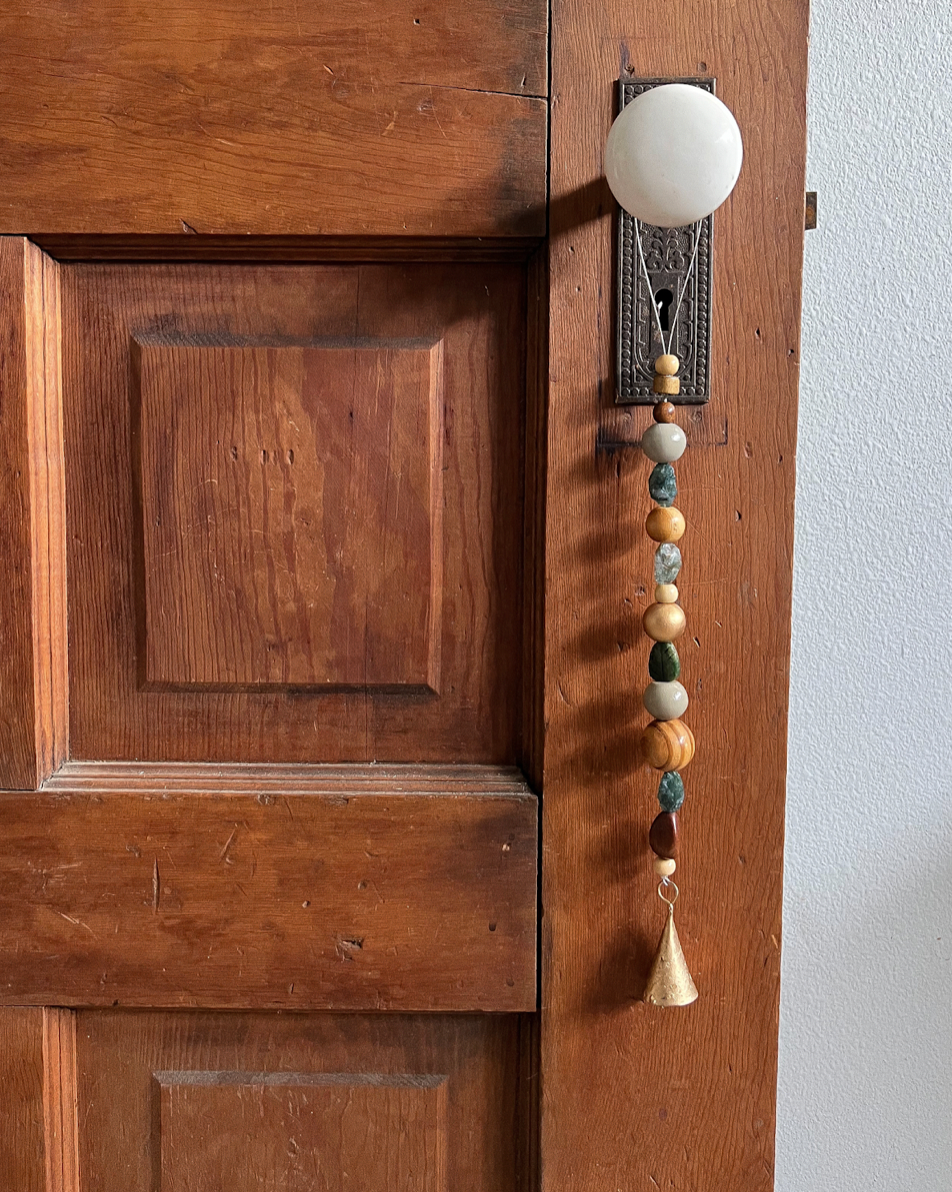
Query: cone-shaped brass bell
pixel 670 983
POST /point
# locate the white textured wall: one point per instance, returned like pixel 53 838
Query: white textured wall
pixel 866 1004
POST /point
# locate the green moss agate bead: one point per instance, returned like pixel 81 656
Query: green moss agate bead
pixel 671 792
pixel 662 484
pixel 664 665
pixel 667 563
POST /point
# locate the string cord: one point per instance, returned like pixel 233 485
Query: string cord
pixel 684 287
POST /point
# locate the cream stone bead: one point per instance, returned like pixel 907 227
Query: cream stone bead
pixel 664 442
pixel 665 701
pixel 664 866
pixel 666 594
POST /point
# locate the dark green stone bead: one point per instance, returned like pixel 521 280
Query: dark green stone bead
pixel 662 484
pixel 671 792
pixel 663 662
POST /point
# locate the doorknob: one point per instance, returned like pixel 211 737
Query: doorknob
pixel 672 157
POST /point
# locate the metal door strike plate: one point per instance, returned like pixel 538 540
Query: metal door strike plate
pixel 667 253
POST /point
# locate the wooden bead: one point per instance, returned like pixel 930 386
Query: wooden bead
pixel 664 622
pixel 667 365
pixel 666 593
pixel 665 866
pixel 667 744
pixel 668 386
pixel 663 835
pixel 664 411
pixel 665 524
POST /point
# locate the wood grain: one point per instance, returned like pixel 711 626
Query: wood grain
pixel 477 314
pixel 33 720
pixel 380 117
pixel 635 1097
pixel 60 1100
pixel 291 513
pixel 355 888
pixel 296 1103
pixel 22 1138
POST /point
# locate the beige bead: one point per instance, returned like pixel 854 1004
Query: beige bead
pixel 664 442
pixel 665 701
pixel 664 866
pixel 664 622
pixel 667 365
pixel 665 524
pixel 666 594
pixel 669 386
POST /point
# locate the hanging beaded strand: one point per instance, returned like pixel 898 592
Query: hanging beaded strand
pixel 667 743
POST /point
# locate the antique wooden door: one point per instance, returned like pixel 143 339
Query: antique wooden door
pixel 321 561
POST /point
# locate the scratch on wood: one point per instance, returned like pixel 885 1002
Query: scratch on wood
pixel 77 923
pixel 156 887
pixel 223 855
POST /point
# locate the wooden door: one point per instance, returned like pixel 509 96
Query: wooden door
pixel 321 554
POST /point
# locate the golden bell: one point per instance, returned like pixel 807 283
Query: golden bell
pixel 670 983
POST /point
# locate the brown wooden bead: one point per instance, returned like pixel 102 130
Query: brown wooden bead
pixel 663 834
pixel 664 411
pixel 667 365
pixel 669 386
pixel 665 524
pixel 668 744
pixel 664 622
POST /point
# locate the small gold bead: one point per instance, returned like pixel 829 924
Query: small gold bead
pixel 664 866
pixel 669 386
pixel 666 594
pixel 664 622
pixel 665 524
pixel 667 365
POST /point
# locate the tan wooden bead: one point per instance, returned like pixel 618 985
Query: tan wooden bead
pixel 666 593
pixel 664 622
pixel 665 866
pixel 668 386
pixel 665 524
pixel 667 744
pixel 667 365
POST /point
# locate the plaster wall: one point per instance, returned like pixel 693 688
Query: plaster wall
pixel 866 1007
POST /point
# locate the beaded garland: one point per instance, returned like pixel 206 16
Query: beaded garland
pixel 667 743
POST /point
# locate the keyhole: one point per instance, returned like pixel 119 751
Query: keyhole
pixel 664 298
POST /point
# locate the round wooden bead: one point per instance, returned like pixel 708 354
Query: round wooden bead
pixel 663 835
pixel 664 442
pixel 666 594
pixel 664 622
pixel 667 744
pixel 667 365
pixel 668 386
pixel 665 701
pixel 664 411
pixel 665 524
pixel 665 866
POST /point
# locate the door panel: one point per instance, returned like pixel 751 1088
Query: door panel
pixel 302 119
pixel 295 511
pixel 348 888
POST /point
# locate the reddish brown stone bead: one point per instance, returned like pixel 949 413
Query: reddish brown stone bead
pixel 664 411
pixel 663 836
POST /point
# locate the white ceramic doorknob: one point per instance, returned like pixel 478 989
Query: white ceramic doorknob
pixel 673 155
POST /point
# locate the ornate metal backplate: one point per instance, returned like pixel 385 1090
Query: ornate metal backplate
pixel 667 254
